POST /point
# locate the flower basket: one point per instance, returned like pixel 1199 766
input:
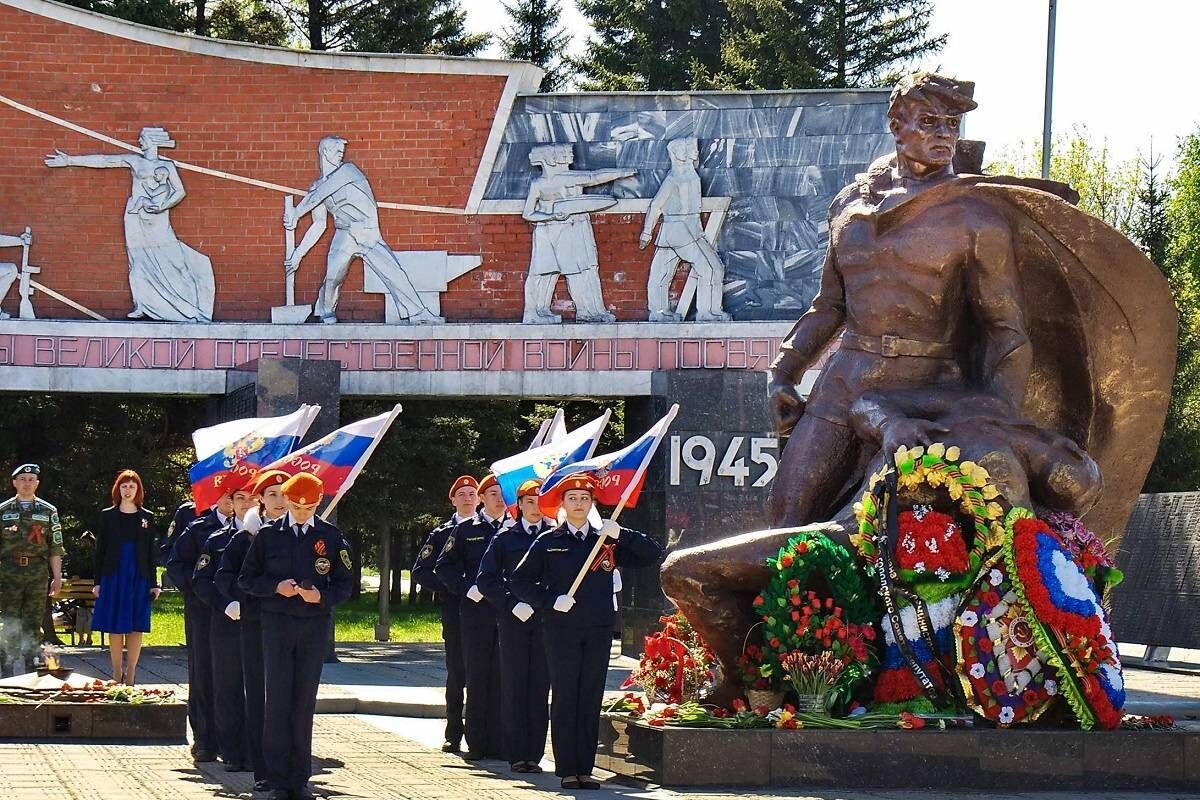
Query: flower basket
pixel 765 698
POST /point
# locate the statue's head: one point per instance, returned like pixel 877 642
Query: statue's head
pixel 924 115
pixel 151 139
pixel 331 150
pixel 683 151
pixel 552 157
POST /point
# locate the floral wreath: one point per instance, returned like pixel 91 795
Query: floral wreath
pixel 791 571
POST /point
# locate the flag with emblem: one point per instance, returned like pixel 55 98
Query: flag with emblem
pixel 539 462
pixel 619 476
pixel 339 457
pixel 256 441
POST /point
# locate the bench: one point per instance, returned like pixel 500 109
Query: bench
pixel 74 599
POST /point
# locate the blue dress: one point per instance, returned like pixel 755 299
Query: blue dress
pixel 124 602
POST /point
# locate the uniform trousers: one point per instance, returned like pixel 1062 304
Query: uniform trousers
pixel 197 624
pixel 578 660
pixel 252 677
pixel 525 688
pixel 456 667
pixel 229 688
pixel 293 652
pixel 482 652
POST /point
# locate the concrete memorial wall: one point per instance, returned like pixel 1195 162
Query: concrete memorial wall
pixel 165 204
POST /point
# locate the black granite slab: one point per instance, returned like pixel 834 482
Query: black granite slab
pixel 106 721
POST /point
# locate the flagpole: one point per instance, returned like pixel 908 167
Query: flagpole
pixel 596 442
pixel 637 476
pixel 541 434
pixel 362 462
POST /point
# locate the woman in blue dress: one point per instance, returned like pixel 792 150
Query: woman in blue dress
pixel 126 576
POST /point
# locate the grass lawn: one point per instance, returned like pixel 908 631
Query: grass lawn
pixel 355 621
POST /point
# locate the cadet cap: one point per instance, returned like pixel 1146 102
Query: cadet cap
pixel 578 482
pixel 27 469
pixel 303 488
pixel 529 488
pixel 461 481
pixel 488 482
pixel 265 480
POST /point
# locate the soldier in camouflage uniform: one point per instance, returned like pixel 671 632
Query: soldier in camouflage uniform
pixel 31 551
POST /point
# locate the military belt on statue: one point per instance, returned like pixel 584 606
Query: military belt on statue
pixel 890 346
pixel 24 561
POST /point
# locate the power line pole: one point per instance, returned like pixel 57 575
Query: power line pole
pixel 1049 90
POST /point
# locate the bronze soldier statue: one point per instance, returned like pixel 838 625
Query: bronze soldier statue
pixel 951 288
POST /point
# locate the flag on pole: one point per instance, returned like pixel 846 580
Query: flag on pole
pixel 619 476
pixel 339 457
pixel 540 462
pixel 270 438
pixel 551 430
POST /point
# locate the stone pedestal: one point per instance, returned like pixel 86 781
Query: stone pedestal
pixel 283 384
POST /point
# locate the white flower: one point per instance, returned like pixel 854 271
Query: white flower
pixel 994 577
pixel 969 618
pixel 1051 687
pixel 918 567
pixel 1007 715
pixel 908 543
pixel 942 573
pixel 977 670
pixel 920 511
pixel 931 544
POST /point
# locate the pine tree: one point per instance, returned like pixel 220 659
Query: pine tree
pixel 791 44
pixel 649 45
pixel 406 26
pixel 537 36
pixel 171 15
pixel 248 21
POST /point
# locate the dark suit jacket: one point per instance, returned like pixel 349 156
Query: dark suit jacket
pixel 108 547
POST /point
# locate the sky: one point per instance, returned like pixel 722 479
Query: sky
pixel 1127 70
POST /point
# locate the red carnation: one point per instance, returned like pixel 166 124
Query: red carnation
pixel 998 687
pixel 802 548
pixel 786 561
pixel 758 601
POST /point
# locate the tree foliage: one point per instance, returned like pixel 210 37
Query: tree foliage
pixel 537 36
pixel 792 44
pixel 248 21
pixel 384 26
pixel 172 15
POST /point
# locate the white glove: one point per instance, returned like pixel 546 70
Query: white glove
pixel 234 610
pixel 610 529
pixel 474 595
pixel 252 522
pixel 617 584
pixel 522 611
pixel 564 603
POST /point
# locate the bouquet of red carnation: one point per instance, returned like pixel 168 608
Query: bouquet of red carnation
pixel 676 665
pixel 754 671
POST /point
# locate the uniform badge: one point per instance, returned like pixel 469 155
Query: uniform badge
pixel 56 537
pixel 204 561
pixel 606 559
pixel 345 554
pixel 446 548
pixel 321 565
pixel 319 548
pixel 426 552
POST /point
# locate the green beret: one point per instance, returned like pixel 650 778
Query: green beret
pixel 27 469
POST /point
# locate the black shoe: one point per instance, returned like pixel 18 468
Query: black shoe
pixel 532 768
pixel 451 747
pixel 203 756
pixel 588 783
pixel 234 766
pixel 570 782
pixel 280 794
pixel 473 755
pixel 262 786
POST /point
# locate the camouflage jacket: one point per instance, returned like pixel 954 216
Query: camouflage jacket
pixel 33 532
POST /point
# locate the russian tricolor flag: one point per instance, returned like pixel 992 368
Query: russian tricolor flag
pixel 254 442
pixel 339 457
pixel 539 462
pixel 619 476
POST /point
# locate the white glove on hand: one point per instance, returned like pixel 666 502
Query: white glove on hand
pixel 252 522
pixel 564 603
pixel 610 529
pixel 234 610
pixel 617 584
pixel 522 611
pixel 474 595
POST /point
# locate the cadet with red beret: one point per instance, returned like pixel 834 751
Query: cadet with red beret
pixel 298 568
pixel 456 567
pixel 464 495
pixel 525 683
pixel 578 629
pixel 197 622
pixel 267 490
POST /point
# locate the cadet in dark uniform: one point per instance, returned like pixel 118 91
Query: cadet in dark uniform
pixel 31 553
pixel 524 680
pixel 464 494
pixel 197 622
pixel 578 630
pixel 229 689
pixel 183 516
pixel 299 568
pixel 243 607
pixel 456 568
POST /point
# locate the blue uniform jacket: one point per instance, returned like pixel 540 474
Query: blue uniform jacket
pixel 458 563
pixel 422 568
pixel 554 560
pixel 203 579
pixel 230 568
pixel 507 549
pixel 184 515
pixel 320 559
pixel 185 552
